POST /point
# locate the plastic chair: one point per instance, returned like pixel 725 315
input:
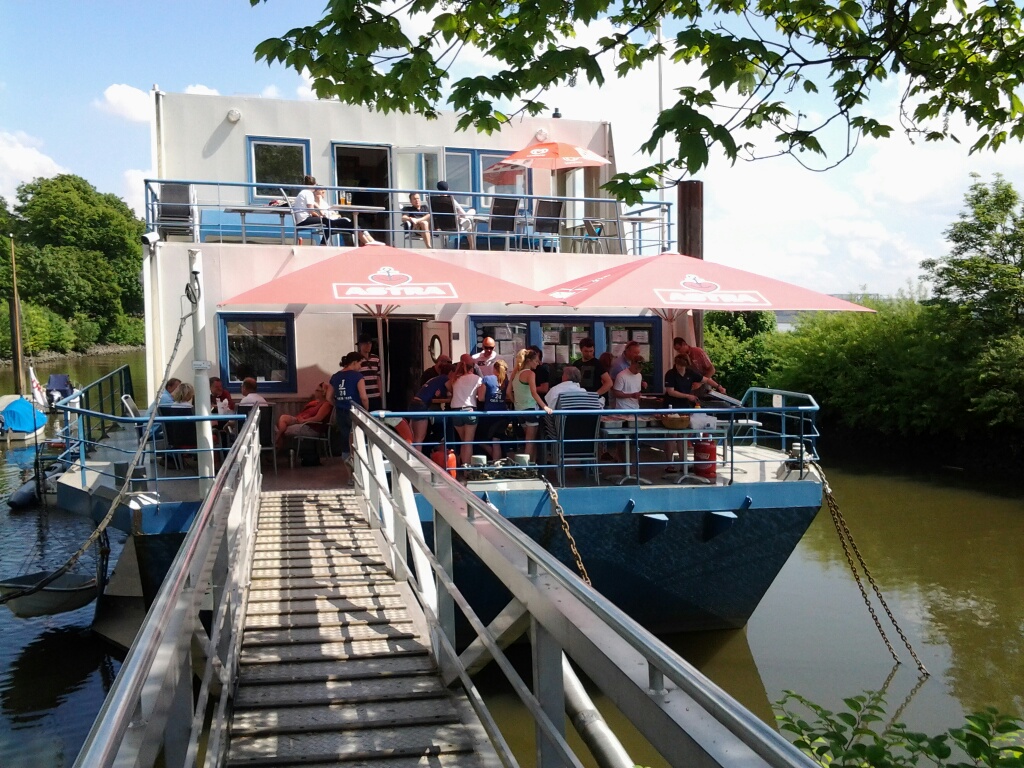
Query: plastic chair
pixel 175 211
pixel 593 237
pixel 576 441
pixel 180 435
pixel 321 441
pixel 444 222
pixel 268 428
pixel 547 220
pixel 503 221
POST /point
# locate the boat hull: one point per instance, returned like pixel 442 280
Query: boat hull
pixel 67 593
pixel 672 569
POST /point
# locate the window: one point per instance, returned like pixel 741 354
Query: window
pixel 562 341
pixel 458 167
pixel 509 338
pixel 506 182
pixel 277 163
pixel 258 345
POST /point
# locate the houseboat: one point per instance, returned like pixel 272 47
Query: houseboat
pixel 679 556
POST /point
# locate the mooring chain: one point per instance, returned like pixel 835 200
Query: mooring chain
pixel 846 539
pixel 568 535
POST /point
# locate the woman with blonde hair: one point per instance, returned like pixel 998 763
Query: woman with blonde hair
pixel 492 394
pixel 526 398
pixel 185 394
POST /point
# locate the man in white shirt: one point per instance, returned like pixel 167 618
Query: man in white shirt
pixel 571 377
pixel 249 394
pixel 485 358
pixel 628 385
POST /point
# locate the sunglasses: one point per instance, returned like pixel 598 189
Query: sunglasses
pixel 489 349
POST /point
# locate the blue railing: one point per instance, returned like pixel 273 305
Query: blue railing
pixel 230 212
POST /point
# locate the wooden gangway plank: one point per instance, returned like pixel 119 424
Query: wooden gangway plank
pixel 334 666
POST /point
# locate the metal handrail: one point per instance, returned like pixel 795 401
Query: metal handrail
pixel 462 511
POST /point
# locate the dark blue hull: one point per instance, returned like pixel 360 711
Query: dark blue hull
pixel 673 569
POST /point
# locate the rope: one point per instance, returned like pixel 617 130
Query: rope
pixel 850 546
pixel 192 294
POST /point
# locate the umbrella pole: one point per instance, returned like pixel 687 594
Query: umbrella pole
pixel 384 367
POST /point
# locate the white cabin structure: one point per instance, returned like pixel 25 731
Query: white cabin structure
pixel 223 162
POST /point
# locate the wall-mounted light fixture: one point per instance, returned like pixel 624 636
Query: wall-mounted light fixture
pixel 541 135
pixel 556 114
pixel 234 115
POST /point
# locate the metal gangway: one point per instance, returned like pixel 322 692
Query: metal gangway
pixel 185 695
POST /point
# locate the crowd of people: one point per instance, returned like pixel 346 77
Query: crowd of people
pixel 482 389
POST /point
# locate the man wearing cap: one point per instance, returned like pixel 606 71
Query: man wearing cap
pixel 486 357
pixel 370 368
pixel 442 366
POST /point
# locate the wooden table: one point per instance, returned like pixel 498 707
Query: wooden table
pixel 245 210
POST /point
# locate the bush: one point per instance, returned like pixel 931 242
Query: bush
pixel 859 736
pixel 86 330
pixel 127 330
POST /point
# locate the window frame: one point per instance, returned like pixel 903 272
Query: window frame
pixel 290 384
pixel 250 148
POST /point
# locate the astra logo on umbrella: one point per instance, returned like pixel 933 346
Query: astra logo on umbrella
pixel 693 290
pixel 389 282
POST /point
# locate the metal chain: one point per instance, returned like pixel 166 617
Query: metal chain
pixel 555 505
pixel 846 539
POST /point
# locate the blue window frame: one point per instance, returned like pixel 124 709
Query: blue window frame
pixel 260 345
pixel 464 169
pixel 274 162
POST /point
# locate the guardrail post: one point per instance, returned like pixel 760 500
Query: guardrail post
pixel 443 553
pixel 549 689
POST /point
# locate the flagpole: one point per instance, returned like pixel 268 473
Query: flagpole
pixel 15 310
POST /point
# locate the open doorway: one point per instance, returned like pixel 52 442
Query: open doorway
pixel 402 359
pixel 362 166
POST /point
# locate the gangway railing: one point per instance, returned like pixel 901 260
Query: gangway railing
pixel 685 716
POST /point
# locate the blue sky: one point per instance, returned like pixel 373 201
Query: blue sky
pixel 73 77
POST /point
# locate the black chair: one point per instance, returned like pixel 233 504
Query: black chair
pixel 503 222
pixel 444 222
pixel 180 435
pixel 576 442
pixel 547 220
pixel 268 427
pixel 175 211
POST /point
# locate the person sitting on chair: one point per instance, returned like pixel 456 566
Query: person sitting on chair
pixel 463 215
pixel 416 218
pixel 184 394
pixel 311 210
pixel 249 394
pixel 311 421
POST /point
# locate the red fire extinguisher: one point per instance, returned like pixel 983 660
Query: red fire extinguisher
pixel 452 463
pixel 705 457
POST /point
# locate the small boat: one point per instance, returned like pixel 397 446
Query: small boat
pixel 21 421
pixel 68 592
pixel 28 495
pixel 58 386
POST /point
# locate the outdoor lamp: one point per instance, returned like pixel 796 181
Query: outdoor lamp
pixel 541 135
pixel 556 114
pixel 234 115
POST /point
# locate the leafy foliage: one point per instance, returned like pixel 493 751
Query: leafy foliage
pixel 859 736
pixel 740 344
pixel 758 66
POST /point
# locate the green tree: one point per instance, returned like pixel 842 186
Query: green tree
pixel 982 276
pixel 70 281
pixel 67 211
pixel 740 345
pixel 762 66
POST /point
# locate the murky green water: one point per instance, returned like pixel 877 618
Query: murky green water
pixel 947 558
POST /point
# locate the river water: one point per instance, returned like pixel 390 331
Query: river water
pixel 947 557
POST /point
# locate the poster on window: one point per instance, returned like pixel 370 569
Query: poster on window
pixel 640 336
pixel 561 354
pixel 620 337
pixel 645 351
pixel 549 352
pixel 616 349
pixel 578 336
pixel 552 337
pixel 502 333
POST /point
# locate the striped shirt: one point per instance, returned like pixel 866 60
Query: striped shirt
pixel 370 368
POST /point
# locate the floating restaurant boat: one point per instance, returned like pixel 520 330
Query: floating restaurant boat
pixel 676 556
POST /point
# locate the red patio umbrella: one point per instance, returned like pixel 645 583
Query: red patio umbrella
pixel 672 282
pixel 548 155
pixel 378 279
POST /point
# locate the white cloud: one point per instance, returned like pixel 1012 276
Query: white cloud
pixel 304 90
pixel 126 101
pixel 201 90
pixel 21 160
pixel 271 92
pixel 134 190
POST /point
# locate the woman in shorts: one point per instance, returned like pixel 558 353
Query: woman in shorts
pixel 526 398
pixel 465 383
pixel 437 387
pixel 492 394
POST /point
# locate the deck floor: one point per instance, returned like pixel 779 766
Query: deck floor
pixel 335 668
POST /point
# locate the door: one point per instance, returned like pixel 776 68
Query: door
pixel 366 166
pixel 414 168
pixel 437 341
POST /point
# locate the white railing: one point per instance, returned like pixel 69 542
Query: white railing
pixel 685 716
pixel 150 713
